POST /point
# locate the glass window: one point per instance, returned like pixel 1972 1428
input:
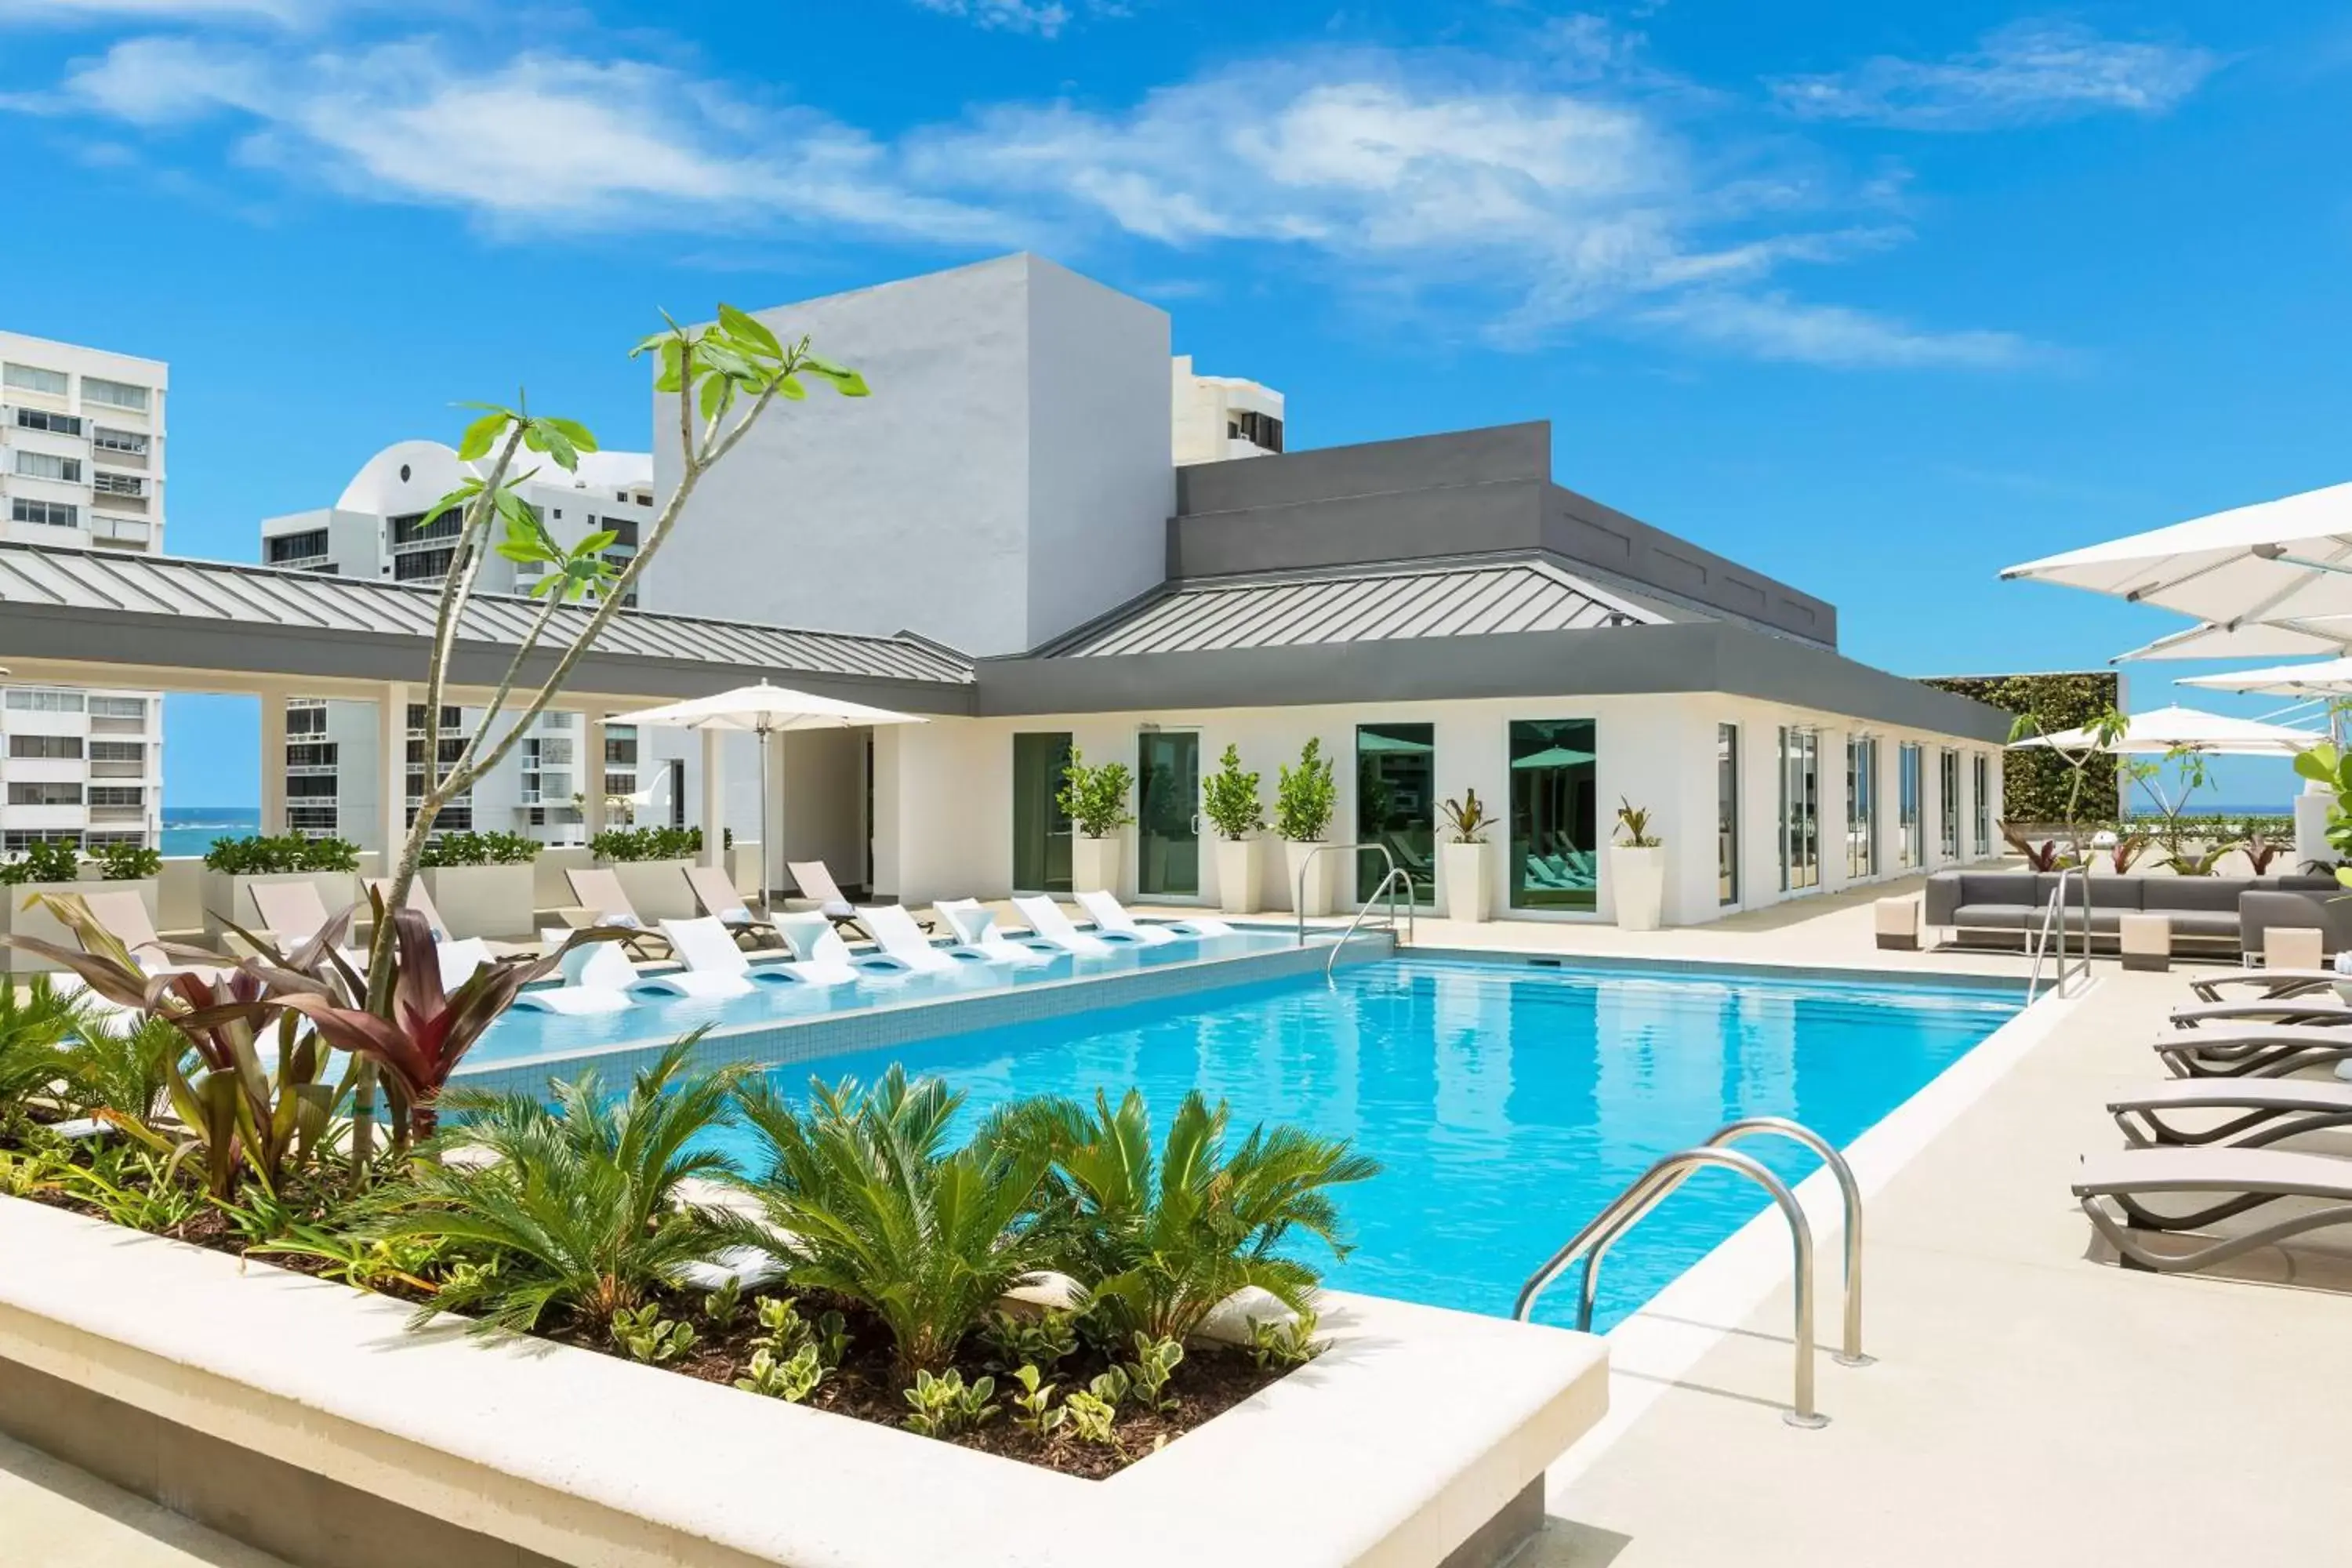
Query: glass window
pixel 50 513
pixel 1167 813
pixel 57 424
pixel 33 700
pixel 1981 766
pixel 118 750
pixel 45 794
pixel 32 378
pixel 117 795
pixel 118 708
pixel 1041 833
pixel 1911 828
pixel 1800 809
pixel 281 548
pixel 1861 806
pixel 424 566
pixel 106 440
pixel 49 465
pixel 1554 855
pixel 1396 805
pixel 1947 804
pixel 48 748
pixel 1726 813
pixel 114 394
pixel 107 484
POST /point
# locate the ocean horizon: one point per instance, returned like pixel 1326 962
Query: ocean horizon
pixel 191 829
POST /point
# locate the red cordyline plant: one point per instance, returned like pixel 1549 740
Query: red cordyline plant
pixel 255 1111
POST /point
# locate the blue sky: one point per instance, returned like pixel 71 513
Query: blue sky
pixel 1878 298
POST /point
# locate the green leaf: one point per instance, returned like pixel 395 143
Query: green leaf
pixel 791 389
pixel 672 376
pixel 572 431
pixel 481 436
pixel 716 391
pixel 595 544
pixel 849 383
pixel 750 330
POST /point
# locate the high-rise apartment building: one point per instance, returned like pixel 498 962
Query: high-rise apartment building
pixel 385 527
pixel 82 465
pixel 1222 416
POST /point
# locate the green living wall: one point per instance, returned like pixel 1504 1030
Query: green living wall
pixel 2034 782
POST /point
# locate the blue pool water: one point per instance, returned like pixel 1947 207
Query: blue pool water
pixel 524 1033
pixel 1508 1103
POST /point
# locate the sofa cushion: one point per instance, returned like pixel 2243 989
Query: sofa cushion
pixel 2214 923
pixel 1999 887
pixel 1994 917
pixel 2163 894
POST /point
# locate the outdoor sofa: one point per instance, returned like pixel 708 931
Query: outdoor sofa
pixel 2207 914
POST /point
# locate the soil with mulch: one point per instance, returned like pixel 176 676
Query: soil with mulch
pixel 1211 1380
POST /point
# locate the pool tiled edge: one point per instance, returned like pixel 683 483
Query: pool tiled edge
pixel 783 1043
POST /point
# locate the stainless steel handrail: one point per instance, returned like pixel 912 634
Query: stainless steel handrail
pixel 1849 1352
pixel 2056 911
pixel 1389 884
pixel 1638 1199
pixel 1298 894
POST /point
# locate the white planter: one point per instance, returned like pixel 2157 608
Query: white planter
pixel 484 901
pixel 657 889
pixel 1637 883
pixel 1462 880
pixel 229 898
pixel 1238 891
pixel 1317 901
pixel 38 922
pixel 1095 864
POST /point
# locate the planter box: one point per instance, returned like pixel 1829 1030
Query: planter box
pixel 1637 883
pixel 1094 863
pixel 1238 870
pixel 1420 1439
pixel 17 921
pixel 1317 901
pixel 1462 880
pixel 484 901
pixel 657 889
pixel 230 898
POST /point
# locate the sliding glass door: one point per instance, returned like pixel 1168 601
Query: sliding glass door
pixel 1980 799
pixel 1555 816
pixel 1947 804
pixel 1041 834
pixel 1911 828
pixel 1726 813
pixel 1861 806
pixel 1800 810
pixel 1396 805
pixel 1168 813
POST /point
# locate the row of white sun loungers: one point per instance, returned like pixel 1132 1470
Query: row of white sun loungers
pixel 2209 1133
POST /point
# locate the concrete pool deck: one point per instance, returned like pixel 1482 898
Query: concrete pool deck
pixel 2030 1403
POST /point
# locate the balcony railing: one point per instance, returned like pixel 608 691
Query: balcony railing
pixel 102 770
pixel 105 726
pixel 118 813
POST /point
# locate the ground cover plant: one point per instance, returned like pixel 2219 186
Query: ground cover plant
pixel 1033 1283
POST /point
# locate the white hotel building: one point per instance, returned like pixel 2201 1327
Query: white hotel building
pixel 82 465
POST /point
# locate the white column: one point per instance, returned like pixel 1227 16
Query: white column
pixel 273 761
pixel 391 761
pixel 591 775
pixel 714 797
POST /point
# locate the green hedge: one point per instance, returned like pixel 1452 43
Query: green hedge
pixel 480 849
pixel 2034 782
pixel 264 854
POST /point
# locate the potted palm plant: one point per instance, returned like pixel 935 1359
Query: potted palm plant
pixel 1094 797
pixel 1304 798
pixel 1637 869
pixel 1462 863
pixel 482 882
pixel 1229 800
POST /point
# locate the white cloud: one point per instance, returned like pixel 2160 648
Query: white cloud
pixel 2025 73
pixel 1443 181
pixel 78 13
pixel 1045 17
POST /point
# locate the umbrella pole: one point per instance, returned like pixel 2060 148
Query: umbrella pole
pixel 763 732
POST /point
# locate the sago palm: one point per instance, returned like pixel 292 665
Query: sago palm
pixel 33 1028
pixel 878 1208
pixel 575 1208
pixel 1162 1237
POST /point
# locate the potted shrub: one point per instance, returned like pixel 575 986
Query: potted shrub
pixel 1304 800
pixel 47 866
pixel 1229 800
pixel 481 882
pixel 651 863
pixel 1095 800
pixel 1637 869
pixel 1462 859
pixel 233 867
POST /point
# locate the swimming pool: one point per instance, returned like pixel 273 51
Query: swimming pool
pixel 1506 1102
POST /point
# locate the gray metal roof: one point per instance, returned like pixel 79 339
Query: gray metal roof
pixel 1431 600
pixel 38 577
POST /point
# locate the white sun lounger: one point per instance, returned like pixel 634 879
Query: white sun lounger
pixel 597 977
pixel 600 892
pixel 714 966
pixel 420 899
pixel 292 914
pixel 821 958
pixel 974 924
pixel 719 899
pixel 1112 918
pixel 123 916
pixel 458 959
pixel 2254 1050
pixel 897 934
pixel 1048 920
pixel 2234 1181
pixel 2268 1109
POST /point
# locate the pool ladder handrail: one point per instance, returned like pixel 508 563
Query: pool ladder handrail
pixel 2057 911
pixel 1657 1183
pixel 1396 878
pixel 1298 893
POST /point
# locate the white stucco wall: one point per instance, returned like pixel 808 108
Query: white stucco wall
pixel 1009 477
pixel 944 799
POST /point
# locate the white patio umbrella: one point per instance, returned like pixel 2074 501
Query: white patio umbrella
pixel 2324 677
pixel 764 710
pixel 2320 636
pixel 2168 728
pixel 2286 560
